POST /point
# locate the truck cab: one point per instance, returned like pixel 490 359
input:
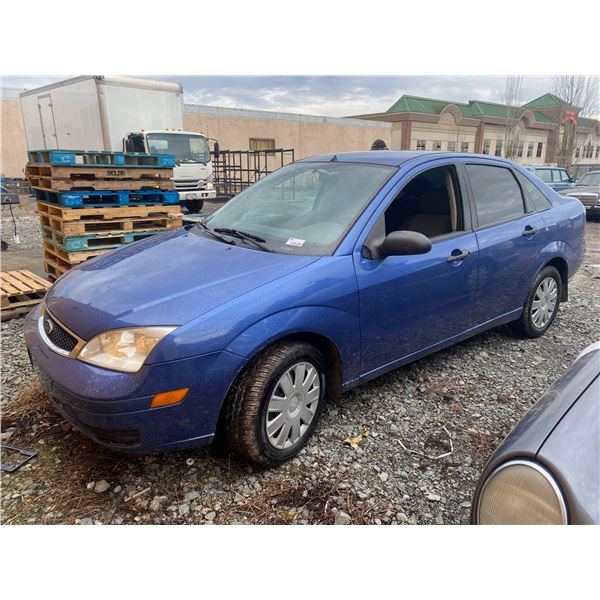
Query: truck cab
pixel 193 173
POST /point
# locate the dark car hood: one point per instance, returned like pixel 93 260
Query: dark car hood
pixel 168 279
pixel 581 189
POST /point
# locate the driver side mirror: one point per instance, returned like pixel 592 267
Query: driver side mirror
pixel 216 150
pixel 402 243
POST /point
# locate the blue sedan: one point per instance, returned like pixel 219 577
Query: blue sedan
pixel 319 277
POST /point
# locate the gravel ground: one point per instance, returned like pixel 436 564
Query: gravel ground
pixel 460 403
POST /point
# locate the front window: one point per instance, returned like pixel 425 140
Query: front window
pixel 186 148
pixel 304 208
pixel 590 179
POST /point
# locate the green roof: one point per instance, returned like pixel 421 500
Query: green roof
pixel 546 101
pixel 473 110
pixel 588 123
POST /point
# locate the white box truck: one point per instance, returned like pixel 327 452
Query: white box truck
pixel 121 114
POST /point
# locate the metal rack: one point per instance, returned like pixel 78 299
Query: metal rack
pixel 235 170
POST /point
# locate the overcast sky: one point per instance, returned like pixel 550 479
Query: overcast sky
pixel 334 96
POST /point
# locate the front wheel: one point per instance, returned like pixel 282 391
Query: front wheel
pixel 541 305
pixel 193 206
pixel 275 406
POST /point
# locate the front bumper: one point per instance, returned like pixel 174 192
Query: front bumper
pixel 113 408
pixel 197 195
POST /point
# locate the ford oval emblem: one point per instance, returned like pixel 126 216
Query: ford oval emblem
pixel 48 326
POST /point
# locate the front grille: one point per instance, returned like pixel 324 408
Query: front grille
pixel 59 336
pixel 189 185
pixel 588 200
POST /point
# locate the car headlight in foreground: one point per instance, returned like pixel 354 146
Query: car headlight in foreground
pixel 123 349
pixel 521 492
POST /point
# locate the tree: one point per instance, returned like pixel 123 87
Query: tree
pixel 580 95
pixel 512 98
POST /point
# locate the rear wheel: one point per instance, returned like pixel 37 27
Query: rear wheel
pixel 275 406
pixel 541 304
pixel 193 206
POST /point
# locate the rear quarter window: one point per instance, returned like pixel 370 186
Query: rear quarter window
pixel 537 198
pixel 497 194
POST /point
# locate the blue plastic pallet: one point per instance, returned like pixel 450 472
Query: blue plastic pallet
pixel 78 243
pixel 80 158
pixel 120 198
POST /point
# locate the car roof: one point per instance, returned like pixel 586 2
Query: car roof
pixel 393 158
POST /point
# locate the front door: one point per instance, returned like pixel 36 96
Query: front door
pixel 409 303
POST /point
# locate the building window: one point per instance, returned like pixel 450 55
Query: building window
pixel 498 151
pixel 451 146
pixel 520 150
pixel 486 146
pixel 590 151
pixel 577 152
pixel 261 144
pixel 597 151
pixel 539 149
pixel 530 150
pixel 420 144
pixel 464 146
pixel 436 145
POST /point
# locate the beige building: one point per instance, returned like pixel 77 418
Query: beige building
pixel 410 123
pixel 530 134
pixel 13 146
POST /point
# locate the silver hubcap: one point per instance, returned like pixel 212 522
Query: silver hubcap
pixel 293 405
pixel 544 302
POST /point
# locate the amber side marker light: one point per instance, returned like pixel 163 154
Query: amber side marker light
pixel 167 398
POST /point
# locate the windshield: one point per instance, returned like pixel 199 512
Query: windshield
pixel 590 179
pixel 186 148
pixel 304 208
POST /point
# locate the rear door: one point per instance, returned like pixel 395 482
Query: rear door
pixel 47 121
pixel 510 236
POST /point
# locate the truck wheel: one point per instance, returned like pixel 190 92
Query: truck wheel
pixel 193 206
pixel 275 406
pixel 541 305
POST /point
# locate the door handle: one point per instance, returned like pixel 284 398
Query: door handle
pixel 529 230
pixel 454 257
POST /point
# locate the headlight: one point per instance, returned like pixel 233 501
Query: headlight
pixel 209 185
pixel 123 349
pixel 521 493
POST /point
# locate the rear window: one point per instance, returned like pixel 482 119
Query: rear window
pixel 538 200
pixel 497 194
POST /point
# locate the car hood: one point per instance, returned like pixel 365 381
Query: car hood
pixel 168 279
pixel 581 189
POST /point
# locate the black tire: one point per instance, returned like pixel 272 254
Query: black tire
pixel 245 411
pixel 193 206
pixel 526 326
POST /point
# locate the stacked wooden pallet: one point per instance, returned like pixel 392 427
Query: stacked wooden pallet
pixel 19 292
pixel 92 202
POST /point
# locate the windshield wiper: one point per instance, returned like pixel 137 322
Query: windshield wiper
pixel 215 235
pixel 242 235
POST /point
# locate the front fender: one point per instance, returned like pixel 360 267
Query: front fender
pixel 339 327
